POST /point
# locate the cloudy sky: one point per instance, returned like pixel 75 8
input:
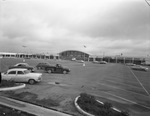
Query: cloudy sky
pixel 109 27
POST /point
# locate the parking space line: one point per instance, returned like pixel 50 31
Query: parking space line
pixel 121 89
pixel 123 84
pixel 127 100
pixel 139 82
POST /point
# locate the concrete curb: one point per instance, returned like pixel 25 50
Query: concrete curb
pixel 30 108
pixel 13 88
pixel 86 113
pixel 79 109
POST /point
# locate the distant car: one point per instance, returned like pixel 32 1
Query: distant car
pixel 53 69
pixel 42 65
pixel 103 62
pixel 96 62
pixel 80 61
pixel 73 59
pixel 21 75
pixel 138 67
pixel 145 63
pixel 23 65
pixel 130 64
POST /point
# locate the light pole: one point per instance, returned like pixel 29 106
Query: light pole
pixel 24 53
pixel 84 56
pixel 102 56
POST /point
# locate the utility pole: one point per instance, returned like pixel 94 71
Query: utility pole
pixel 148 2
pixel 84 56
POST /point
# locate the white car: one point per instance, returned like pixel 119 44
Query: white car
pixel 130 64
pixel 138 67
pixel 23 65
pixel 21 75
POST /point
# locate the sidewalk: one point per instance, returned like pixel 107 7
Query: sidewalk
pixel 30 108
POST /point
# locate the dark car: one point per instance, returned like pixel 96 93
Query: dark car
pixel 42 65
pixel 53 69
pixel 23 65
pixel 103 62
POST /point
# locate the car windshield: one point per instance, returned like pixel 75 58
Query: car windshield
pixel 26 71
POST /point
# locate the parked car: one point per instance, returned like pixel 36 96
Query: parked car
pixel 145 63
pixel 138 67
pixel 21 75
pixel 73 59
pixel 80 61
pixel 23 65
pixel 54 69
pixel 130 64
pixel 102 62
pixel 42 65
pixel 96 62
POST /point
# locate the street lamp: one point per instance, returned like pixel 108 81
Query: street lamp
pixel 24 54
pixel 84 56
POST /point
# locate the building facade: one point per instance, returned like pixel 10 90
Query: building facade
pixel 27 56
pixel 70 54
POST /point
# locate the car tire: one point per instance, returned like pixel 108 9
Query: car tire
pixel 31 81
pixel 49 71
pixel 64 72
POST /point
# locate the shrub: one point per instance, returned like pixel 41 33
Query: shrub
pixel 5 83
pixel 89 104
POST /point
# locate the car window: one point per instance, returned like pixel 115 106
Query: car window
pixel 12 72
pixel 20 65
pixel 26 71
pixel 20 72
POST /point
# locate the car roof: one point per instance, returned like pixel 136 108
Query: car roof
pixel 17 69
pixel 21 63
pixel 43 63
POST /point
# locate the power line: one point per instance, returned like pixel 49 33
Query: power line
pixel 147 2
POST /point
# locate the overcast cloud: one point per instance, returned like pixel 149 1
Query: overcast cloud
pixel 52 26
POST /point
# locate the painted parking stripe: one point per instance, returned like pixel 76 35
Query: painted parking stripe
pixel 123 84
pixel 139 82
pixel 130 101
pixel 121 89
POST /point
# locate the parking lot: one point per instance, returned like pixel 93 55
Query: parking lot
pixel 126 89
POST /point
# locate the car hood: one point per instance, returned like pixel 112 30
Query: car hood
pixel 66 69
pixel 22 66
pixel 2 74
pixel 35 74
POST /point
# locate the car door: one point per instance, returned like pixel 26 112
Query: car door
pixel 20 77
pixel 58 69
pixel 11 75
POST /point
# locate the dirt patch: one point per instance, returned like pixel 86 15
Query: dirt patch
pixel 57 101
pixel 7 111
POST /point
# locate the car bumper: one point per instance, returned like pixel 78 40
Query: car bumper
pixel 39 79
